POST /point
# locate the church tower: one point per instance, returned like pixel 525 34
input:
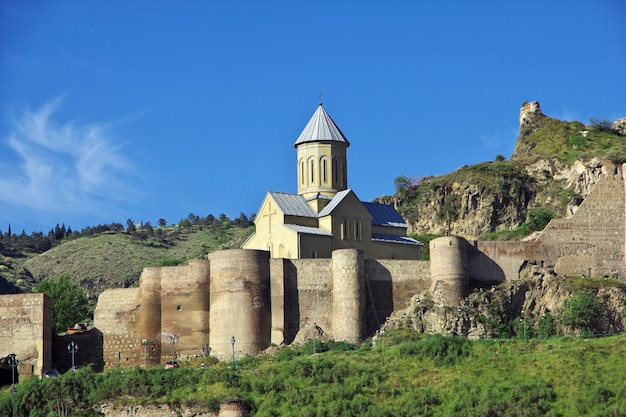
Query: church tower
pixel 322 163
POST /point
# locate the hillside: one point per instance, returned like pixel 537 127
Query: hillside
pixel 554 161
pixel 116 259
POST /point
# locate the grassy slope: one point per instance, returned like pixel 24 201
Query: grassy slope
pixel 414 375
pixel 116 260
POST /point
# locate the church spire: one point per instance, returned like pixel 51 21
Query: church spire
pixel 322 163
pixel 321 127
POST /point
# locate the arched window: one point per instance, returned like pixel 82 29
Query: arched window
pixel 302 172
pixel 324 170
pixel 344 229
pixel 335 171
pixel 312 171
pixel 357 229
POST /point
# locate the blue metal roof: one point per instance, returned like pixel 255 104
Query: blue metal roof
pixel 396 239
pixel 385 215
pixel 321 128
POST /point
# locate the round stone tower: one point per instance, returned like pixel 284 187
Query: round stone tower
pixel 150 315
pixel 348 295
pixel 449 269
pixel 239 302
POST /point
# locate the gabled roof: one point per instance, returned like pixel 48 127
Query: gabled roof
pixel 385 215
pixel 337 199
pixel 292 204
pixel 321 128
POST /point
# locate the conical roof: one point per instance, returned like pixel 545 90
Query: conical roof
pixel 321 128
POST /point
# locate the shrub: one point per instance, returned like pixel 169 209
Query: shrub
pixel 584 311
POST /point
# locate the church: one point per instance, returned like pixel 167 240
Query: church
pixel 325 214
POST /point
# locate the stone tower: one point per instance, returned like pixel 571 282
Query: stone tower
pixel 322 163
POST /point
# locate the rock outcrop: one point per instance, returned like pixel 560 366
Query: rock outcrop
pixel 503 309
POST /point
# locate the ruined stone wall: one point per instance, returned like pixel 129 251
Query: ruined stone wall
pixel 592 241
pixel 26 330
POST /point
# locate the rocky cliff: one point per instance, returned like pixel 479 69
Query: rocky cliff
pixel 554 163
pixel 536 303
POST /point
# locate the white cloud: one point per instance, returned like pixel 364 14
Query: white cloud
pixel 61 169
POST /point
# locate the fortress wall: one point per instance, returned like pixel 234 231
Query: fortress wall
pixel 390 285
pixel 449 268
pixel 185 309
pixel 149 313
pixel 592 241
pixel 239 302
pixel 348 295
pixel 309 294
pixel 501 261
pixel 116 316
pixel 26 330
pixel 280 309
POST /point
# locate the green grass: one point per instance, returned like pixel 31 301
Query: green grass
pixel 404 374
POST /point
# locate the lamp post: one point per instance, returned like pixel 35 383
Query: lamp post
pixel 145 343
pixel 13 362
pixel 206 350
pixel 232 342
pixel 173 340
pixel 72 348
pixel 524 323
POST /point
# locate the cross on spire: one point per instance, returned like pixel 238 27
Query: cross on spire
pixel 321 98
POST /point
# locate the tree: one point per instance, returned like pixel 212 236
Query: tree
pixel 69 302
pixel 584 311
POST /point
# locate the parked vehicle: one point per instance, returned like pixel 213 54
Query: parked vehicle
pixel 172 365
pixel 51 373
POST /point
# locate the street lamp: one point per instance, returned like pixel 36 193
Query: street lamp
pixel 232 342
pixel 524 323
pixel 13 362
pixel 206 350
pixel 173 340
pixel 145 343
pixel 72 348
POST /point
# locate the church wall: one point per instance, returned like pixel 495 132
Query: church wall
pixel 320 245
pixel 26 330
pixel 386 250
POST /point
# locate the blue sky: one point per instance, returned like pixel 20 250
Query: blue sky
pixel 157 109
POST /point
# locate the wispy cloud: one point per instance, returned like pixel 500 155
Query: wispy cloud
pixel 59 169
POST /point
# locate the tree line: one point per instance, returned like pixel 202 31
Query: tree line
pixel 12 243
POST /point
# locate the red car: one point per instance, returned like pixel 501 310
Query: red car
pixel 172 365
